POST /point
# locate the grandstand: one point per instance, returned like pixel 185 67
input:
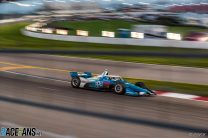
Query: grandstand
pixel 200 8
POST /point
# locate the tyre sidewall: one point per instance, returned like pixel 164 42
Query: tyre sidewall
pixel 75 82
pixel 119 88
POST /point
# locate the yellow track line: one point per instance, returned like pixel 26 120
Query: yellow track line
pixel 21 66
pixel 13 68
pixel 18 66
pixel 9 63
pixel 52 69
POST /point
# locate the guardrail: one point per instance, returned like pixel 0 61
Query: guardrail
pixel 119 41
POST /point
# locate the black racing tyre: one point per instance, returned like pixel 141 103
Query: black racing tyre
pixel 119 88
pixel 75 82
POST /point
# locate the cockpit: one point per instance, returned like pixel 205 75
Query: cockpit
pixel 114 78
pixel 106 75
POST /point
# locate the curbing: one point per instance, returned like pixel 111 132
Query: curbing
pixel 182 96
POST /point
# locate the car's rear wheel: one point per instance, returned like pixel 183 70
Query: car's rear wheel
pixel 75 82
pixel 119 88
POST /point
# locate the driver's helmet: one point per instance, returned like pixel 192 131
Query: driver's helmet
pixel 105 73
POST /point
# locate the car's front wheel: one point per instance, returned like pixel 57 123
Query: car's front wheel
pixel 119 88
pixel 75 82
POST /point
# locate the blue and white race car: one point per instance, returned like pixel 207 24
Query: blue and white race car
pixel 106 82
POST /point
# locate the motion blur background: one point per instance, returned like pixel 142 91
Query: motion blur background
pixel 163 43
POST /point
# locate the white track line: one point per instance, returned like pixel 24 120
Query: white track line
pixel 46 88
pixel 34 76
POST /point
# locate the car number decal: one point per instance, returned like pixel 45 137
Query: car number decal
pixel 99 84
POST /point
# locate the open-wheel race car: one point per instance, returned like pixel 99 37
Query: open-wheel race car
pixel 106 82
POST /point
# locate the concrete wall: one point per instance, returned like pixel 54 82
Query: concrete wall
pixel 12 20
pixel 120 41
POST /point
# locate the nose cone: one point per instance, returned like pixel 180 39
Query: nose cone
pixel 137 88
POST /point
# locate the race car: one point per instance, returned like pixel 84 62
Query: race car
pixel 106 82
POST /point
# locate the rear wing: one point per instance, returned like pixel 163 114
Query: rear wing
pixel 85 74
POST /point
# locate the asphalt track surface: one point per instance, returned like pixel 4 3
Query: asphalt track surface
pixel 133 70
pixel 60 111
pixel 57 108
